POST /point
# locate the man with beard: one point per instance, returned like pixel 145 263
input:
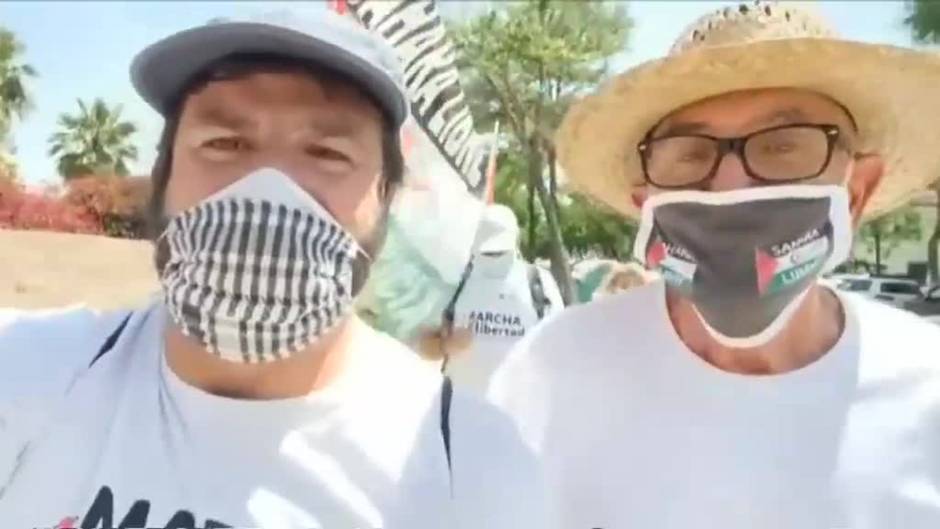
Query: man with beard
pixel 249 394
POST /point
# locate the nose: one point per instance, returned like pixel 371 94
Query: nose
pixel 731 175
pixel 286 159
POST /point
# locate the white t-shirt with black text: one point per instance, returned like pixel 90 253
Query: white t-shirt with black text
pixel 126 443
pixel 637 432
pixel 497 306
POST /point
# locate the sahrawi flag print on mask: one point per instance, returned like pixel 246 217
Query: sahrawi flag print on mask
pixel 745 258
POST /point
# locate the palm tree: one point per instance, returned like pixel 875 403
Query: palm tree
pixel 14 97
pixel 95 141
pixel 923 17
pixel 924 20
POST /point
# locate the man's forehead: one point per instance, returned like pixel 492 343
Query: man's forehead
pixel 277 85
pixel 754 108
pixel 230 102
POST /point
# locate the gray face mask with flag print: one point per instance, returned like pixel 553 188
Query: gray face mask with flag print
pixel 745 258
pixel 259 270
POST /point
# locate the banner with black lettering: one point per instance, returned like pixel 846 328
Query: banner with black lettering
pixel 415 29
pixel 434 218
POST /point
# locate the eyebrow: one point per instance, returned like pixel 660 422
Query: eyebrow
pixel 335 127
pixel 683 128
pixel 329 127
pixel 782 116
pixel 217 116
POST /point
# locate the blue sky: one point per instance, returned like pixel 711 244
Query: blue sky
pixel 83 50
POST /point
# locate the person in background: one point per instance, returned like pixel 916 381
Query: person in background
pixel 622 277
pixel 499 299
pixel 249 394
pixel 739 393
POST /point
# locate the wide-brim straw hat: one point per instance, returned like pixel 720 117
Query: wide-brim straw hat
pixel 893 94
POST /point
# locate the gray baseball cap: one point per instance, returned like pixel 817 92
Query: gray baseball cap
pixel 161 71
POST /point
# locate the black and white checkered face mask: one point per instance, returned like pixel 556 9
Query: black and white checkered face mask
pixel 258 271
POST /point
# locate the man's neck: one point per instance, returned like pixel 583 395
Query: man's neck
pixel 300 374
pixel 810 334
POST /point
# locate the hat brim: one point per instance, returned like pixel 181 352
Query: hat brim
pixel 162 70
pixel 890 91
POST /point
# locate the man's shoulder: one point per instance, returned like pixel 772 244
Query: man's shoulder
pixel 481 424
pixel 43 352
pixel 893 341
pixel 50 344
pixel 476 425
pixel 591 324
pixel 391 354
pixel 574 347
pixel 884 323
pixel 50 329
pixel 497 478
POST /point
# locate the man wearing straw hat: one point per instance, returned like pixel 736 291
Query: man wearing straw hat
pixel 738 392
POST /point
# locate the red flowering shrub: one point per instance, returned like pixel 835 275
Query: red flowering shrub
pixel 119 204
pixel 98 205
pixel 28 210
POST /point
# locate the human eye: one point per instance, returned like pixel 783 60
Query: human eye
pixel 225 144
pixel 787 141
pixel 779 146
pixel 322 152
pixel 696 154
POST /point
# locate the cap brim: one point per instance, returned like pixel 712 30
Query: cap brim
pixel 161 71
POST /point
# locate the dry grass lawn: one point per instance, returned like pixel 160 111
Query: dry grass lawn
pixel 46 269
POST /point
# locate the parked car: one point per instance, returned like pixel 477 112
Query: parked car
pixel 896 291
pixel 834 280
pixel 928 306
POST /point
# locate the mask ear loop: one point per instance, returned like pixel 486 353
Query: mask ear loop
pixel 161 249
pixel 361 267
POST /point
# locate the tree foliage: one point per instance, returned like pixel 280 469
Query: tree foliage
pixel 94 141
pixel 924 20
pixel 523 65
pixel 884 234
pixel 8 169
pixel 15 100
pixel 588 229
pixel 117 204
pixel 923 17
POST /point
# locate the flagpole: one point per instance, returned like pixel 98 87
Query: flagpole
pixel 491 167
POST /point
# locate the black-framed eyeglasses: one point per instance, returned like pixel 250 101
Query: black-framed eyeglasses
pixel 787 153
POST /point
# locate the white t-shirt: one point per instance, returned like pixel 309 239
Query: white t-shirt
pixel 635 431
pixel 496 304
pixel 127 441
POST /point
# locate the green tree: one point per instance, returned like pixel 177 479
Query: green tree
pixel 8 169
pixel 95 141
pixel 882 235
pixel 15 101
pixel 523 64
pixel 923 17
pixel 588 229
pixel 924 20
pixel 933 243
